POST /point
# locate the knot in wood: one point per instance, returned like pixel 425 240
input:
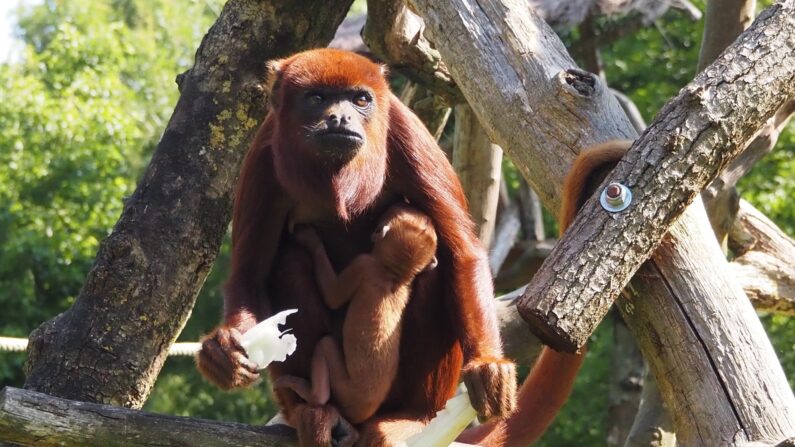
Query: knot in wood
pixel 581 81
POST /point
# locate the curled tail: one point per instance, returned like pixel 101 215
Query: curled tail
pixel 587 172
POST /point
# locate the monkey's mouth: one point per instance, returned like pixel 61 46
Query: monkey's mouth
pixel 341 135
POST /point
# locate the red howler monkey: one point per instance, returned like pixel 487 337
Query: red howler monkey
pixel 377 286
pixel 554 371
pixel 337 149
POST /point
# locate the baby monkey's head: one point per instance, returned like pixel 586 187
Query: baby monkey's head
pixel 405 241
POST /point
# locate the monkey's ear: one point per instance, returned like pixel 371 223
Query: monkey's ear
pixel 274 78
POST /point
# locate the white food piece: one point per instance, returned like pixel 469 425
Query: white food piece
pixel 265 343
pixel 447 425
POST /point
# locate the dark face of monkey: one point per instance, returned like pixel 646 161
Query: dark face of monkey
pixel 331 119
pixel 335 120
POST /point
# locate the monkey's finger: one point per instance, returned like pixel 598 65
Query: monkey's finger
pixel 245 362
pixel 477 392
pixel 244 377
pixel 213 372
pixel 509 389
pixel 218 357
pixel 495 384
pixel 236 340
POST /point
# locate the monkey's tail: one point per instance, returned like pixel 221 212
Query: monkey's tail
pixel 587 172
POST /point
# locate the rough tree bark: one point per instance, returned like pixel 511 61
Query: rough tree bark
pixel 110 346
pixel 394 33
pixel 732 390
pixel 693 137
pixel 34 419
pixel 478 164
pixel 720 197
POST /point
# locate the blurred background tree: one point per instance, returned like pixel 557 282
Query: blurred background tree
pixel 84 105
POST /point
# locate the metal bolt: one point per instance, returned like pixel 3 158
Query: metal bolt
pixel 615 197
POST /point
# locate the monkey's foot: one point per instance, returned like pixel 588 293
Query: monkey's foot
pixel 492 387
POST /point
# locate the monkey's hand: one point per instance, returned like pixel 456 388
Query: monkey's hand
pixel 308 237
pixel 491 383
pixel 223 361
pixel 322 426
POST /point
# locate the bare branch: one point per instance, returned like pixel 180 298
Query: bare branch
pixel 764 262
pixel 34 419
pixel 478 164
pixel 431 108
pixel 506 231
pixel 531 214
pixel 394 33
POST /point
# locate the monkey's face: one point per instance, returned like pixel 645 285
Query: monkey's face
pixel 334 120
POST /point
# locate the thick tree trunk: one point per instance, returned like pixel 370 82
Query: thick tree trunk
pixel 704 343
pixel 110 346
pixel 512 61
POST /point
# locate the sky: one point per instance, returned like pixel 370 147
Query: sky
pixel 8 48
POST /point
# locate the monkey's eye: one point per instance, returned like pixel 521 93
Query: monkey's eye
pixel 362 100
pixel 314 97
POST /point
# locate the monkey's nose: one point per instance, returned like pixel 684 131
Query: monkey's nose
pixel 336 120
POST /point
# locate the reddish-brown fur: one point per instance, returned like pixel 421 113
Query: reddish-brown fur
pixel 376 287
pixel 554 372
pixel 450 320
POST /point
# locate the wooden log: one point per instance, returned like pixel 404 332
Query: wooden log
pixel 29 418
pixel 701 338
pixel 666 168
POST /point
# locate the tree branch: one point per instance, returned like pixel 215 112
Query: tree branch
pixel 394 33
pixel 34 419
pixel 764 262
pixel 478 164
pixel 666 168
